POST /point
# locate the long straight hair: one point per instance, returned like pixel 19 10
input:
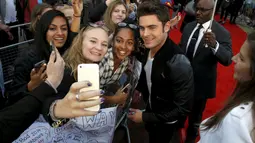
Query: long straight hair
pixel 108 14
pixel 244 92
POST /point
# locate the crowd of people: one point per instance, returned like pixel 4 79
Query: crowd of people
pixel 176 79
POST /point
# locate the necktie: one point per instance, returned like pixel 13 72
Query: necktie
pixel 192 43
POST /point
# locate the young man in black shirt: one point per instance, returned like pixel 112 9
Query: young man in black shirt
pixel 166 80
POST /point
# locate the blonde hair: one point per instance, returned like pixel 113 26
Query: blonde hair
pixel 74 55
pixel 108 14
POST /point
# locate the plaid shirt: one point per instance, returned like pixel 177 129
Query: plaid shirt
pixel 106 67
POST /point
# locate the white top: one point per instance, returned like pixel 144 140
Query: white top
pixel 201 34
pixel 236 127
pixel 148 68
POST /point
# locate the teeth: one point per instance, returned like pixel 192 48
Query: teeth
pixel 96 53
pixel 59 38
pixel 122 52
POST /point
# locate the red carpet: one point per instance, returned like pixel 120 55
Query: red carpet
pixel 225 81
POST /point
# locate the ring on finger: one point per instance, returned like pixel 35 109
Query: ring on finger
pixel 77 97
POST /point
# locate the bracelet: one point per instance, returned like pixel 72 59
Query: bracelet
pixel 76 15
pixel 59 123
pixel 51 112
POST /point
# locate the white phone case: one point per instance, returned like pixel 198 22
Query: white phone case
pixel 89 72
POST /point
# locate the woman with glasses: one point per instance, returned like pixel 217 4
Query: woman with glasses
pixel 118 59
pixel 89 46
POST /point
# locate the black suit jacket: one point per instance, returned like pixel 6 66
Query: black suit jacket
pixel 204 63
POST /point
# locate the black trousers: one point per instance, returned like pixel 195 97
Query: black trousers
pixel 234 12
pixel 162 133
pixel 224 13
pixel 195 118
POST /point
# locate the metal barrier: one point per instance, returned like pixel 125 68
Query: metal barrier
pixel 9 53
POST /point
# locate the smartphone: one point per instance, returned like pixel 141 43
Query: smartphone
pixel 125 88
pixel 38 65
pixel 53 48
pixel 89 72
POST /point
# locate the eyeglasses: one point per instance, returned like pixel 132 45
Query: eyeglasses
pixel 202 9
pixel 98 25
pixel 123 24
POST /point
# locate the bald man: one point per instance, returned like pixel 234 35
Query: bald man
pixel 204 59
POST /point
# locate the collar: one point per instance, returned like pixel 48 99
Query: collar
pixel 167 50
pixel 205 25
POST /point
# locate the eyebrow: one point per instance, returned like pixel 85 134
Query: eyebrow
pixel 147 26
pixel 56 25
pixel 123 38
pixel 97 39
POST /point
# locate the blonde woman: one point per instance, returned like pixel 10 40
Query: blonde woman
pixel 115 13
pixel 89 46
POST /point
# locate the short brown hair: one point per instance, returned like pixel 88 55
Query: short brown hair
pixel 154 8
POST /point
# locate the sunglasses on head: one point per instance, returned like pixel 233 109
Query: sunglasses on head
pixel 98 25
pixel 123 24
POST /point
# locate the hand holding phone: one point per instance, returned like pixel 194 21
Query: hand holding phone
pixel 89 72
pixel 53 48
pixel 125 88
pixel 38 65
pixel 37 75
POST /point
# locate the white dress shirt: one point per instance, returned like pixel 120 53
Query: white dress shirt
pixel 201 34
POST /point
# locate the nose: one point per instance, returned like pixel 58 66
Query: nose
pixel 146 32
pixel 120 14
pixel 234 59
pixel 99 47
pixel 197 12
pixel 59 32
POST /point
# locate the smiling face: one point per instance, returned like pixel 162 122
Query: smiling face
pixel 119 13
pixel 57 32
pixel 94 44
pixel 152 31
pixel 242 61
pixel 123 43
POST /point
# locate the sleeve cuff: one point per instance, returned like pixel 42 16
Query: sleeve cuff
pixel 42 91
pixel 50 84
pixel 216 48
pixel 148 117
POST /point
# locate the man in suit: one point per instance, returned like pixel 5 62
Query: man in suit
pixel 204 59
